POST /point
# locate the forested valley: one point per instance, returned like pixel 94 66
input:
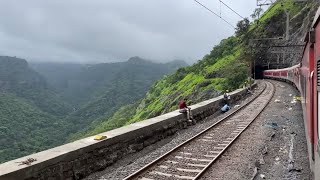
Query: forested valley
pixel 42 104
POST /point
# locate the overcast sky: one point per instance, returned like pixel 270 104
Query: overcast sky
pixel 90 31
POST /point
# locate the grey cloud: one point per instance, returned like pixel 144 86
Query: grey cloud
pixel 105 30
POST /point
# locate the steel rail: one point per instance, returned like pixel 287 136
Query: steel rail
pixel 153 163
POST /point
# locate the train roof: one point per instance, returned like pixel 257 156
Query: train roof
pixel 316 18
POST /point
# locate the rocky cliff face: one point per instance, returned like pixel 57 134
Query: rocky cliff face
pixel 281 53
pixel 300 25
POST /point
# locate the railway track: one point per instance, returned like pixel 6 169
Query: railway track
pixel 191 159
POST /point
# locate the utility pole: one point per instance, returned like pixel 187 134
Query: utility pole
pixel 265 2
pixel 270 2
pixel 254 68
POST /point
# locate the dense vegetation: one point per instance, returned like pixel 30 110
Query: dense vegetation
pixel 37 114
pixel 24 128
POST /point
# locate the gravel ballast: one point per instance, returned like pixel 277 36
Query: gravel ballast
pixel 273 147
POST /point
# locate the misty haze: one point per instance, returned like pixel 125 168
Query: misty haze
pixel 86 31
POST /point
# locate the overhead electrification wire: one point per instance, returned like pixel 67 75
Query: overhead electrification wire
pixel 220 7
pixel 265 3
pixel 231 9
pixel 214 13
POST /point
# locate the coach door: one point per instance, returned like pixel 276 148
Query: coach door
pixel 310 111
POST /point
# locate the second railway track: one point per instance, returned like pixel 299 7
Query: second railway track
pixel 190 159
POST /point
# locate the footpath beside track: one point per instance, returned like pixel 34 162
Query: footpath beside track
pixel 190 159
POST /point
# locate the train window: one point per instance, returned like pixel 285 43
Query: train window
pixel 318 74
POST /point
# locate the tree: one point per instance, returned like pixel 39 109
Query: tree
pixel 242 26
pixel 256 13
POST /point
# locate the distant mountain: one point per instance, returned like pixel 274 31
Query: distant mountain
pixel 18 78
pixel 79 84
pixel 176 64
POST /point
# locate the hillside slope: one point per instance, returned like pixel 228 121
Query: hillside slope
pixel 26 129
pixel 227 66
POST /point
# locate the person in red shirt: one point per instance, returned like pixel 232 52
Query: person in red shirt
pixel 183 108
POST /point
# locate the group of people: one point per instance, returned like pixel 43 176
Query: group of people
pixel 183 108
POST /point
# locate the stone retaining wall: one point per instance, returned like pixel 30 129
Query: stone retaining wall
pixel 83 157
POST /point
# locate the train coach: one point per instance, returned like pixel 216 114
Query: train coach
pixel 306 77
pixel 290 75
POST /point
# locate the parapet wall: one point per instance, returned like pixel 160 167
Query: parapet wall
pixel 83 157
